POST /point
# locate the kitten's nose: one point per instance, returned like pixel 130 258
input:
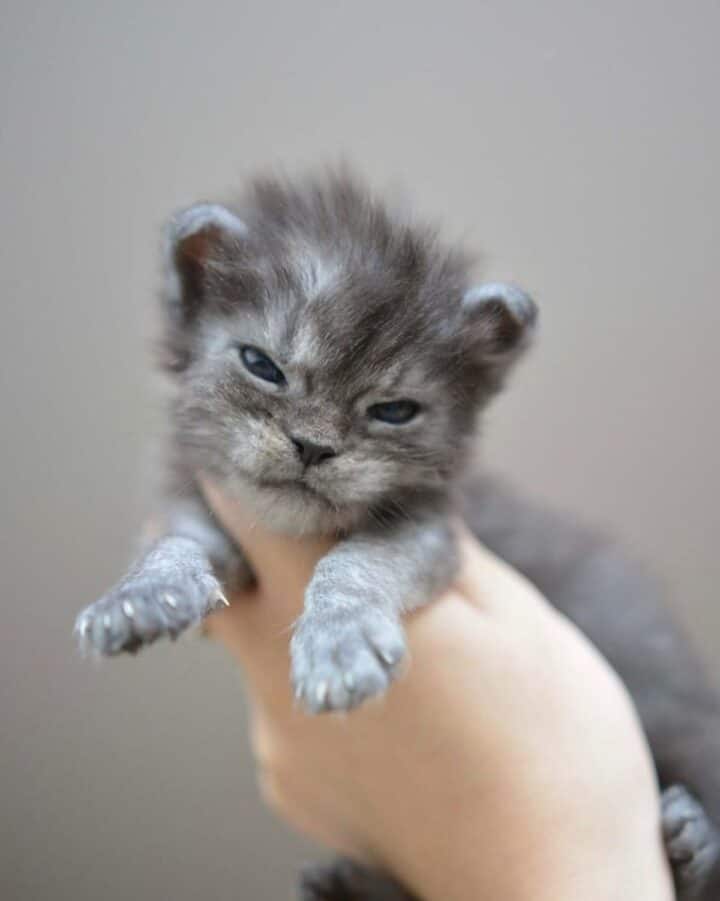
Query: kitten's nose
pixel 311 453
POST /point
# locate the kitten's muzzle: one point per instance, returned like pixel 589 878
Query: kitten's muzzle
pixel 312 454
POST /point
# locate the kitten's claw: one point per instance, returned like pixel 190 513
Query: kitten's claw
pixel 221 600
pixel 321 693
pixel 341 659
pixel 692 842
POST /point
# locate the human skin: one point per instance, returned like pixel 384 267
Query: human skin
pixel 507 761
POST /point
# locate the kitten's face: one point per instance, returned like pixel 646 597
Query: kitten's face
pixel 324 389
pixel 312 431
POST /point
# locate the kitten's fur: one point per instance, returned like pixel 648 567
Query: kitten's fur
pixel 358 307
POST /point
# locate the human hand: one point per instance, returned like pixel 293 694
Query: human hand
pixel 507 762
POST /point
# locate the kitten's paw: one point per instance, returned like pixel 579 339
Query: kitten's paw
pixel 340 659
pixel 145 607
pixel 692 841
pixel 345 880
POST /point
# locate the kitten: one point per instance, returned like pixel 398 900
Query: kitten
pixel 330 361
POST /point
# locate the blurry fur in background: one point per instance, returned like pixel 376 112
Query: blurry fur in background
pixel 330 360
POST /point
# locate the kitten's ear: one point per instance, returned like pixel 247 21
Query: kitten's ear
pixel 501 320
pixel 196 240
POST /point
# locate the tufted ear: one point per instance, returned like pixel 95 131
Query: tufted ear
pixel 196 239
pixel 500 319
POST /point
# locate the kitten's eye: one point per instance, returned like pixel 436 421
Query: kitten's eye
pixel 395 412
pixel 260 365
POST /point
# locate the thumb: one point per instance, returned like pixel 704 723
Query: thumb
pixel 282 564
pixel 256 628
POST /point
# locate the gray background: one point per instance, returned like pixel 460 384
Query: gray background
pixel 578 144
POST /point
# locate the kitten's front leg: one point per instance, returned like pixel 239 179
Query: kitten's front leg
pixel 172 585
pixel 349 642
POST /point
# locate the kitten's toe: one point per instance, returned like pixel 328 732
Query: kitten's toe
pixel 141 610
pixel 103 627
pixel 342 660
pixel 692 841
pixel 387 640
pixel 324 689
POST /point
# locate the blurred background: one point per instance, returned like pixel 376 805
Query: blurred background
pixel 576 144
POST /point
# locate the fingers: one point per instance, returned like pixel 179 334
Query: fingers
pixel 284 564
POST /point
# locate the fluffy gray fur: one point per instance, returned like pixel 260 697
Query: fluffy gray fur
pixel 356 306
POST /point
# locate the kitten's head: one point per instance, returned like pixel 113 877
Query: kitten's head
pixel 331 358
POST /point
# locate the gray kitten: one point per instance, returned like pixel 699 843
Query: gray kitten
pixel 330 360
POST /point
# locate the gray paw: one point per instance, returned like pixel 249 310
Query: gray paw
pixel 345 880
pixel 691 840
pixel 341 658
pixel 172 588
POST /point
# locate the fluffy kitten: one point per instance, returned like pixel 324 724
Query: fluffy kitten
pixel 330 360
